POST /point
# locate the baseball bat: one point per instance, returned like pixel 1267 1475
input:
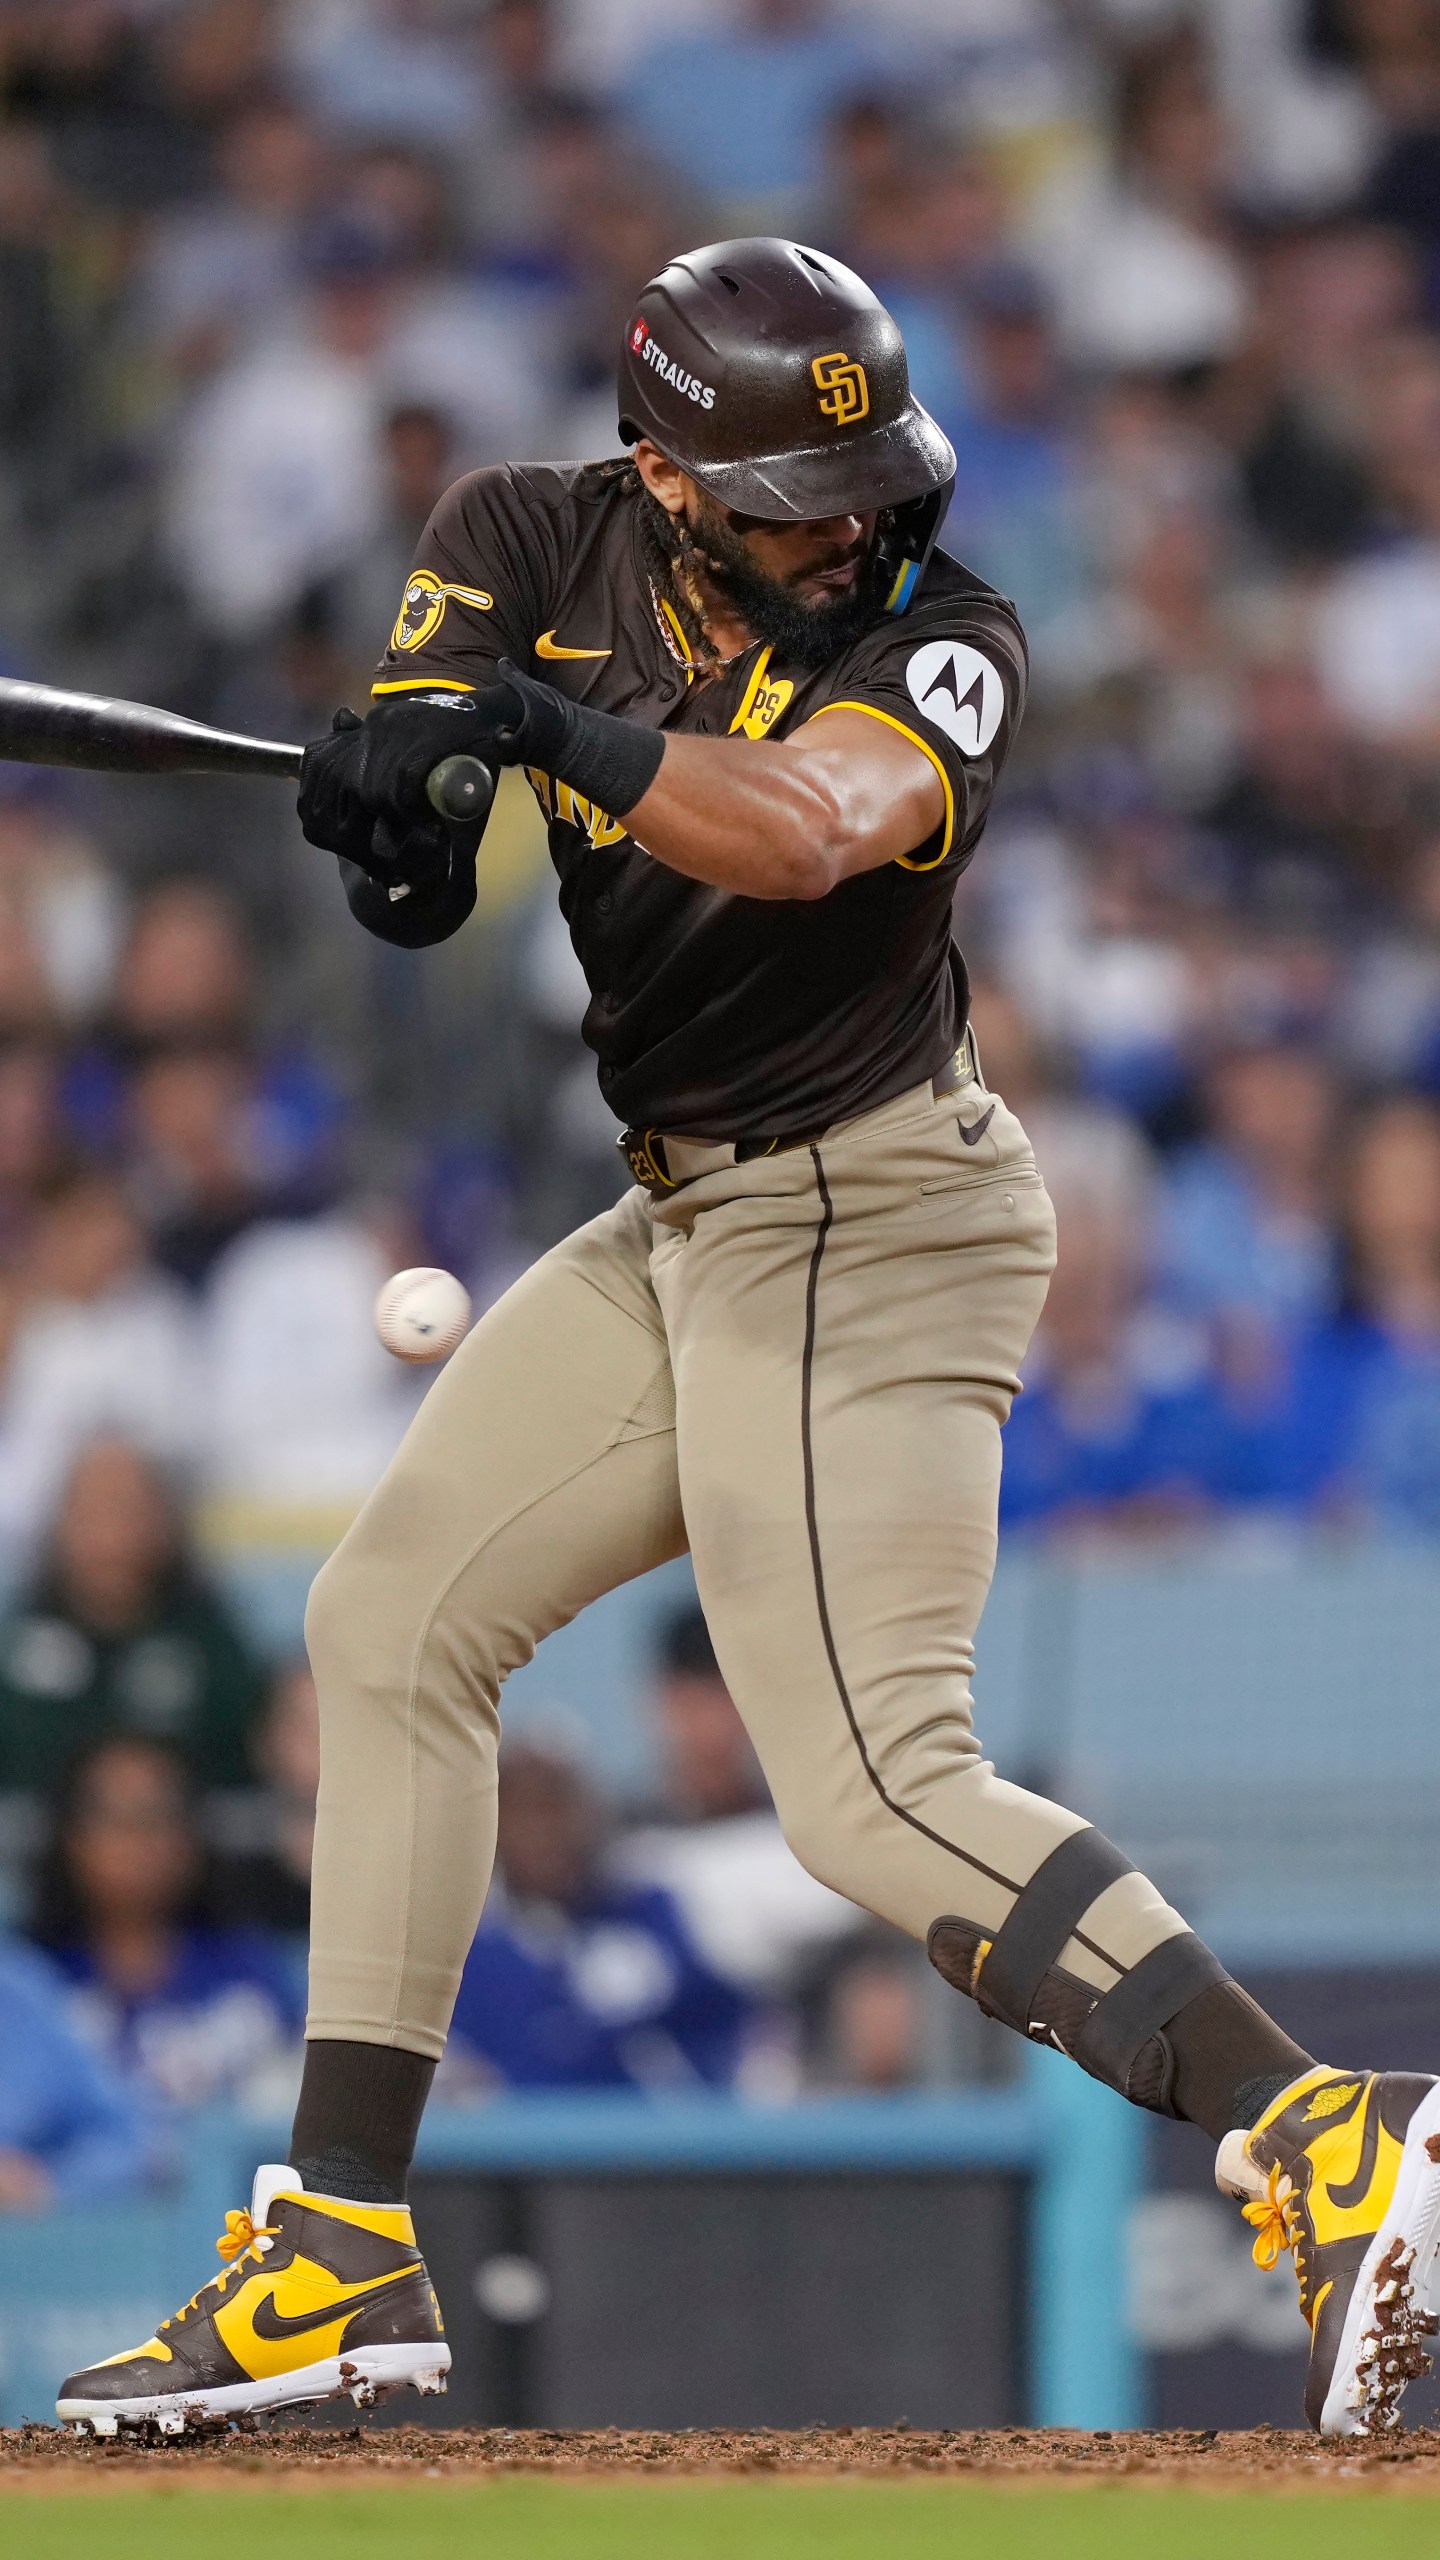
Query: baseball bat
pixel 41 724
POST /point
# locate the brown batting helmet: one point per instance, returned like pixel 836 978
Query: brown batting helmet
pixel 778 381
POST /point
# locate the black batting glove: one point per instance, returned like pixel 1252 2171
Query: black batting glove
pixel 362 789
pixel 362 792
pixel 516 720
pixel 410 879
pixel 332 813
pixel 414 912
pixel 402 742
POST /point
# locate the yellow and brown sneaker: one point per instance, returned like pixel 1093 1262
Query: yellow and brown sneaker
pixel 320 2299
pixel 1344 2171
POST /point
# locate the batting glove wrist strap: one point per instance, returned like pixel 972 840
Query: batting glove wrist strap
pixel 613 762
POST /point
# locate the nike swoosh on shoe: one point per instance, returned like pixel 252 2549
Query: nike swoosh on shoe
pixel 1352 2192
pixel 271 2324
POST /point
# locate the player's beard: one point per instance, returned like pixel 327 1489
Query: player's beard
pixel 804 633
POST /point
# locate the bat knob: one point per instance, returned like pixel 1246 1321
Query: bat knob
pixel 461 788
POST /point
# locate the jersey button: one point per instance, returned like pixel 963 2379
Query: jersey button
pixel 604 903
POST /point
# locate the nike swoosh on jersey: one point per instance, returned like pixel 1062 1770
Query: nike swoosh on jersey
pixel 972 1137
pixel 547 646
pixel 269 2323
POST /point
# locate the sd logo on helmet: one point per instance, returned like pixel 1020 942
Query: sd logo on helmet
pixel 813 415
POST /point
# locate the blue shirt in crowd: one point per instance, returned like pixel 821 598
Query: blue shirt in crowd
pixel 1177 1441
pixel 1359 1426
pixel 1346 1422
pixel 741 112
pixel 58 2101
pixel 1013 512
pixel 1221 1250
pixel 610 1996
pixel 228 2007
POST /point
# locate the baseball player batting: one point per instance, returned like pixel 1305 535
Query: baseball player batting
pixel 764 717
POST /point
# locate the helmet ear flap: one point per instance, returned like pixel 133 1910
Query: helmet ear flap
pixel 905 543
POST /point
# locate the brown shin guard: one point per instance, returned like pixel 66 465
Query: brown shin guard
pixel 1173 2033
pixel 1189 2058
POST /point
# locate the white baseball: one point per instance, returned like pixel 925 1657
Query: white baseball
pixel 421 1315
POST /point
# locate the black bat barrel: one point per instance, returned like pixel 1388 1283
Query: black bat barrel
pixel 40 724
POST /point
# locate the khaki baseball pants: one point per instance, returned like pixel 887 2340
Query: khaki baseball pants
pixel 798 1367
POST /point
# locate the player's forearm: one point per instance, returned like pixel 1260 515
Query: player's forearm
pixel 744 817
pixel 760 818
pixel 763 819
pixel 791 819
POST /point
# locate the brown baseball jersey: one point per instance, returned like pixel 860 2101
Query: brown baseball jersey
pixel 710 1014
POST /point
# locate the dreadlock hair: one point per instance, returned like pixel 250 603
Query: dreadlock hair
pixel 668 548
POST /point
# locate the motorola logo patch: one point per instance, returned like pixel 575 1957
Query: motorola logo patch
pixel 960 691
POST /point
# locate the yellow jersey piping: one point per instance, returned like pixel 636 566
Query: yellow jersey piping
pixel 871 713
pixel 423 684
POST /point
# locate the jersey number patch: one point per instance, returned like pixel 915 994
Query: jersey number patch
pixel 960 691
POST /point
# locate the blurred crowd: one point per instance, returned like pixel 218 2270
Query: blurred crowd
pixel 272 272
pixel 155 1963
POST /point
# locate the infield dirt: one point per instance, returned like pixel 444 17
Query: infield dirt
pixel 40 2458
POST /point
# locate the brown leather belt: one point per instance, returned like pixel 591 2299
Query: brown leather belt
pixel 663 1162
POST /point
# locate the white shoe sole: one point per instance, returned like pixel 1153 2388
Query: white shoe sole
pixel 367 2375
pixel 1396 2297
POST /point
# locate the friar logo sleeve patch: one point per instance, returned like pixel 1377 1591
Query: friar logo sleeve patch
pixel 422 608
pixel 959 690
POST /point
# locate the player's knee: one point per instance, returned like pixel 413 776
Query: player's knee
pixel 382 1646
pixel 914 1763
pixel 831 1828
pixel 330 1624
pixel 822 1837
pixel 352 1633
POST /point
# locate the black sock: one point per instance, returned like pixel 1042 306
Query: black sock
pixel 1225 2050
pixel 358 2118
pixel 1254 2096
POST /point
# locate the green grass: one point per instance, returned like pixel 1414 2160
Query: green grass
pixel 741 2520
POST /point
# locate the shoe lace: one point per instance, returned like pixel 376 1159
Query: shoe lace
pixel 1276 2217
pixel 240 2239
